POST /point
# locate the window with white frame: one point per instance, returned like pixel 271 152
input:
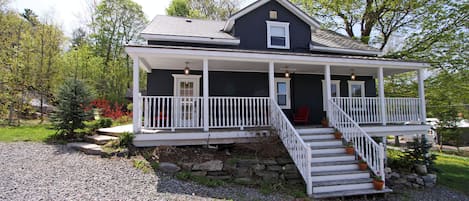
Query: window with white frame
pixel 282 92
pixel 278 35
pixel 356 88
pixel 335 91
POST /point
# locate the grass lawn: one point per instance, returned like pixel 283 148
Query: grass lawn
pixel 35 133
pixel 453 171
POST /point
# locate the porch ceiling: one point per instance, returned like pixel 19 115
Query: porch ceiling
pixel 169 63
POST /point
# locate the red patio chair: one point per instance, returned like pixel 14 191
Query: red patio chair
pixel 301 115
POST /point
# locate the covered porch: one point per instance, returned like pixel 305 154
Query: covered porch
pixel 200 94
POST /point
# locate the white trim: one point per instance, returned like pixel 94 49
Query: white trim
pixel 341 50
pixel 288 92
pixel 190 39
pixel 136 123
pixel 285 3
pixel 177 52
pixel 324 95
pixel 285 26
pixel 361 83
pixel 205 94
pixel 421 88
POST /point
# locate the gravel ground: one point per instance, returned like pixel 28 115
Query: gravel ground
pixel 34 171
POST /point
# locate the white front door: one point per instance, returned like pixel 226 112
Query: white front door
pixel 187 100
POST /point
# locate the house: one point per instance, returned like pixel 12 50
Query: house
pixel 215 82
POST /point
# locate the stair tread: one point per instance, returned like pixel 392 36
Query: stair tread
pixel 341 172
pixel 327 147
pixel 330 155
pixel 309 134
pixel 350 193
pixel 334 163
pixel 342 182
pixel 322 140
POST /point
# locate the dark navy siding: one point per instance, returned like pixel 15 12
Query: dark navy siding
pixel 306 90
pixel 251 29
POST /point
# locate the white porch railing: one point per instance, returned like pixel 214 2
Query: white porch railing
pixel 299 151
pixel 367 110
pixel 170 112
pixel 364 145
pixel 233 112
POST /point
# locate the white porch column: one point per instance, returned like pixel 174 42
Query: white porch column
pixel 381 94
pixel 272 81
pixel 327 78
pixel 137 124
pixel 206 91
pixel 423 110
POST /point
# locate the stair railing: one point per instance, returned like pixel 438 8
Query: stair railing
pixel 299 151
pixel 364 145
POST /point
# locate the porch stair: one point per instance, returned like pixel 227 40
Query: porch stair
pixel 333 172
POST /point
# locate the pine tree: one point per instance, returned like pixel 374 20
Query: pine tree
pixel 70 115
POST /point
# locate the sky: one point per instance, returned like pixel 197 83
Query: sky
pixel 69 13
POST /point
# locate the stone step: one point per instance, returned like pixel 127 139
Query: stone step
pixel 87 148
pixel 100 139
pixel 350 193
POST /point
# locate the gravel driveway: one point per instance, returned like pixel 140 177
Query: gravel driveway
pixel 34 171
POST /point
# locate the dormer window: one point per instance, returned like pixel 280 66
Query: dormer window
pixel 278 35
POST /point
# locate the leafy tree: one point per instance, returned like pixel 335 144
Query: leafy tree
pixel 115 23
pixel 371 21
pixel 204 9
pixel 72 99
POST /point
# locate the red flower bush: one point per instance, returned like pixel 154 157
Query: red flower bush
pixel 114 111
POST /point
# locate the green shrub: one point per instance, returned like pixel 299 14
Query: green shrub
pixel 142 165
pixel 105 122
pixel 419 153
pixel 70 114
pixel 125 139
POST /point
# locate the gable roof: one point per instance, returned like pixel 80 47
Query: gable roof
pixel 179 29
pixel 330 41
pixel 285 3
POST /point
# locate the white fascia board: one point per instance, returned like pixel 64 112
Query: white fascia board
pixel 341 50
pixel 277 58
pixel 190 39
pixel 286 4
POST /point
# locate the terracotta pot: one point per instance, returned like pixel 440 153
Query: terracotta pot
pixel 378 185
pixel 325 123
pixel 350 150
pixel 338 135
pixel 362 166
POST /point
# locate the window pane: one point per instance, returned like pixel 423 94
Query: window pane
pixel 281 88
pixel 334 90
pixel 356 90
pixel 277 31
pixel 277 41
pixel 282 99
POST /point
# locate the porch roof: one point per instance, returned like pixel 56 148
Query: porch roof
pixel 174 57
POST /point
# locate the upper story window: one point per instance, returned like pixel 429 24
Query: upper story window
pixel 278 35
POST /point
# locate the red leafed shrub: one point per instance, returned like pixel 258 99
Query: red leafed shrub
pixel 114 111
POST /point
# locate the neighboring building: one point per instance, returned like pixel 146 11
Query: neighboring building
pixel 253 72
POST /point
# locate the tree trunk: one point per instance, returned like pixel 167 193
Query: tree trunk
pixel 396 141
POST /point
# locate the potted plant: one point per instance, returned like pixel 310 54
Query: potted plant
pixel 378 182
pixel 337 134
pixel 325 122
pixel 362 165
pixel 349 149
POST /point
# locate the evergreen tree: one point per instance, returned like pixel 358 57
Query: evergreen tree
pixel 72 99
